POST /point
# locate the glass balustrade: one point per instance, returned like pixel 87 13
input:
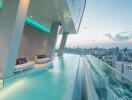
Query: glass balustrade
pixel 108 82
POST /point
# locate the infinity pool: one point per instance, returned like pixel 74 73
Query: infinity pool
pixel 52 83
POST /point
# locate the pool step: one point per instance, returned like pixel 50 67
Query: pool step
pixel 83 87
pixel 91 93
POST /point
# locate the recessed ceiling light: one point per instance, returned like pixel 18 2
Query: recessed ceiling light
pixel 31 16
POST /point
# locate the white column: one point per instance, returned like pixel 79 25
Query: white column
pixel 55 28
pixel 12 20
pixel 62 45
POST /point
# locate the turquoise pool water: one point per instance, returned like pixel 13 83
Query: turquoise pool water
pixel 55 83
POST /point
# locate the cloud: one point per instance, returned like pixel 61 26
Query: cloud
pixel 109 36
pixel 122 36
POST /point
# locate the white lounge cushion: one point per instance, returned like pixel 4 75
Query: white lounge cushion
pixel 44 60
pixel 24 66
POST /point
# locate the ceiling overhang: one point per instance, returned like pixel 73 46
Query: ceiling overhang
pixel 45 12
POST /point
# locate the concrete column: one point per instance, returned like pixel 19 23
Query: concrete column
pixel 12 20
pixel 55 28
pixel 62 45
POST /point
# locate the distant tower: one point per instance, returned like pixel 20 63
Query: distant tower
pixel 122 69
pixel 114 62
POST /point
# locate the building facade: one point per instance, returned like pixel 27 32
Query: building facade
pixel 28 28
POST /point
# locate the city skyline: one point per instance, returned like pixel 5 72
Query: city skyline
pixel 106 23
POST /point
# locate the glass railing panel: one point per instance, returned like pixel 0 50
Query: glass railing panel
pixel 109 83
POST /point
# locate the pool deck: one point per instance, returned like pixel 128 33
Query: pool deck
pixel 35 67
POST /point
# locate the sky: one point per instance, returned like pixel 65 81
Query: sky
pixel 106 23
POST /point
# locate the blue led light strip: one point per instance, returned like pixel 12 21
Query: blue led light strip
pixel 30 21
pixel 1 4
